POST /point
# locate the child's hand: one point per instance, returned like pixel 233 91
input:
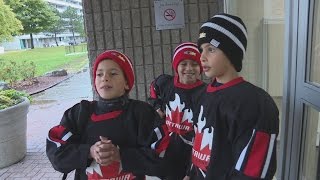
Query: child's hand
pixel 161 114
pixel 94 151
pixel 109 150
pixel 104 152
pixel 186 178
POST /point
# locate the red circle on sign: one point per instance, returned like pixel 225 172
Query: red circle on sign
pixel 169 14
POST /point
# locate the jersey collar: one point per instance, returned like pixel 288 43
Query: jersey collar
pixel 186 86
pixel 233 82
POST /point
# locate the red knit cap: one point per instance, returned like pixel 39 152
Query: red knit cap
pixel 122 60
pixel 184 51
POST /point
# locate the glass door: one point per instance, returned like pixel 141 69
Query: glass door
pixel 309 157
pixel 301 125
pixel 309 93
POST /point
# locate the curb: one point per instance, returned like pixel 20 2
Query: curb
pixel 48 87
pixel 68 77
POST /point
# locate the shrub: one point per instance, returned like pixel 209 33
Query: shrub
pixel 12 72
pixel 11 97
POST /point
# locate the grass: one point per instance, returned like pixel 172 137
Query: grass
pixel 47 59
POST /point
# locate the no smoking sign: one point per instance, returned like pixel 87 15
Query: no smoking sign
pixel 169 14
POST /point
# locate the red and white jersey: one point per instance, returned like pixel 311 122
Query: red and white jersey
pixel 235 133
pixel 177 101
pixel 133 126
pixel 110 172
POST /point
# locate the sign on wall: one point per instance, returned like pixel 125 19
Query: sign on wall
pixel 169 14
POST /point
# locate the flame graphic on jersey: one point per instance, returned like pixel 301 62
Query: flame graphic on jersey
pixel 111 171
pixel 202 143
pixel 94 168
pixel 178 119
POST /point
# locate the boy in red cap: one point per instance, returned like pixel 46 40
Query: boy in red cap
pixel 237 123
pixel 174 98
pixel 114 137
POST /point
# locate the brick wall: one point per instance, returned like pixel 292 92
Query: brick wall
pixel 129 26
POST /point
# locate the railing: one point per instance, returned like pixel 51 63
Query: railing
pixel 76 49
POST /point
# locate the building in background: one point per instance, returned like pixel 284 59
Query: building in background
pixel 62 5
pixel 46 39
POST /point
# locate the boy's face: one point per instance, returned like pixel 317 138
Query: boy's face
pixel 110 80
pixel 188 71
pixel 214 62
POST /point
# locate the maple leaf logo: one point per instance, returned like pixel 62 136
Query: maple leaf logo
pixel 122 58
pixel 178 119
pixel 202 147
pixel 94 168
pixel 112 171
pixel 190 53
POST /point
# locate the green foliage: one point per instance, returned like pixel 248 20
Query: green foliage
pixel 10 25
pixel 58 26
pixel 35 15
pixel 12 71
pixel 11 97
pixel 73 21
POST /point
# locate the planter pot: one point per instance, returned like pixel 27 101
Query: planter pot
pixel 13 133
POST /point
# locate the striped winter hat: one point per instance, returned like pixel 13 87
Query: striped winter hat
pixel 187 50
pixel 228 33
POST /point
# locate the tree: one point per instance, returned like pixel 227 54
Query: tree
pixel 58 26
pixel 74 21
pixel 36 15
pixel 10 25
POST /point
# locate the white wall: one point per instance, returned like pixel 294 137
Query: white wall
pixel 12 45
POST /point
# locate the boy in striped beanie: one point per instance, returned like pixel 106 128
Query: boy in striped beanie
pixel 174 98
pixel 236 123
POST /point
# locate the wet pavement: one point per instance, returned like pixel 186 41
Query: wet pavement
pixel 45 112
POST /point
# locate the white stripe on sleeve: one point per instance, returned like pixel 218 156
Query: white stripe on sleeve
pixel 243 153
pixel 270 150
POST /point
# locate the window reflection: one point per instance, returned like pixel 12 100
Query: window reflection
pixel 310 145
pixel 315 49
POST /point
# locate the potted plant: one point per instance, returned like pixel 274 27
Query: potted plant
pixel 14 107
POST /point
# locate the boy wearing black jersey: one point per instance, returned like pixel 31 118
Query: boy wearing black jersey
pixel 114 137
pixel 174 98
pixel 237 123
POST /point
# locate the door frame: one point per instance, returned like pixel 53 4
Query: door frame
pixel 297 91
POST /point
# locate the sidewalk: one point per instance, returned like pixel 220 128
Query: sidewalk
pixel 45 112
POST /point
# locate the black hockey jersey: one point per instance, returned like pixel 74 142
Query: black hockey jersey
pixel 133 126
pixel 177 101
pixel 235 133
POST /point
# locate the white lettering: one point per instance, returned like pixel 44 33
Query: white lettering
pixel 200 156
pixel 125 177
pixel 178 126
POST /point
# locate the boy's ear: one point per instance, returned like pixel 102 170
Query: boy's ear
pixel 126 87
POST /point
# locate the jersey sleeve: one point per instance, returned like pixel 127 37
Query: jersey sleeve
pixel 64 148
pixel 254 139
pixel 157 88
pixel 152 140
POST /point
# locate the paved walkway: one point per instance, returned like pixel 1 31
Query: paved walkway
pixel 45 112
